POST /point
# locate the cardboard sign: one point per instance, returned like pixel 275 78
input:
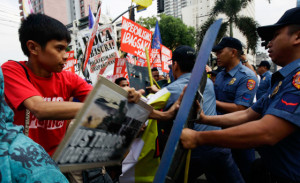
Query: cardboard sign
pixel 135 38
pixel 103 130
pixel 103 53
pixel 166 56
pixel 120 68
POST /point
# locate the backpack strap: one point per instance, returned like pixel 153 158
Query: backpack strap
pixel 27 112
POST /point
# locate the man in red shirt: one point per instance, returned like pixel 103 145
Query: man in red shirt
pixel 41 86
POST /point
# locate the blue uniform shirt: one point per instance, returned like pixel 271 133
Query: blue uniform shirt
pixel 282 100
pixel 264 84
pixel 237 86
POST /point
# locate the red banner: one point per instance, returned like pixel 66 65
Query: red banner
pixel 135 38
pixel 155 58
pixel 166 56
pixel 120 68
pixel 71 61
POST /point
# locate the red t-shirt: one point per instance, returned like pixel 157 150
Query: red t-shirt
pixel 59 87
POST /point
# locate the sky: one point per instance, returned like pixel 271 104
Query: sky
pixel 10 49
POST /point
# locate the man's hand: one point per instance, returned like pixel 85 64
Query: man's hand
pixel 189 138
pixel 133 95
pixel 152 89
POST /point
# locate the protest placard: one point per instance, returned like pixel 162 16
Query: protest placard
pixel 103 130
pixel 71 62
pixel 103 53
pixel 120 68
pixel 166 55
pixel 135 38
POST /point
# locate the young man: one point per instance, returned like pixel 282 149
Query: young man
pixel 122 82
pixel 40 85
pixel 272 123
pixel 265 74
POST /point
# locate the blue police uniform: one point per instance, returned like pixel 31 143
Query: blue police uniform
pixel 238 86
pixel 282 100
pixel 264 84
pixel 217 163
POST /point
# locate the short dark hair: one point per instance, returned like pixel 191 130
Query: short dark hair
pixel 154 69
pixel 185 56
pixel 118 80
pixel 41 29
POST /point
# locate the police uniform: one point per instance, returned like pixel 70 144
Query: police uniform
pixel 282 100
pixel 237 86
pixel 264 84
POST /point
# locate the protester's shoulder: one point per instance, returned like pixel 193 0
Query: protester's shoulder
pixel 11 64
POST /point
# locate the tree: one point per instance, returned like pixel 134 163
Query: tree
pixel 231 9
pixel 174 32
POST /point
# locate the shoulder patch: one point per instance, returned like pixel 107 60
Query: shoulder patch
pixel 288 102
pixel 296 80
pixel 251 84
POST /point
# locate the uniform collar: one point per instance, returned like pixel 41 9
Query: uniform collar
pixel 285 71
pixel 185 75
pixel 266 73
pixel 233 71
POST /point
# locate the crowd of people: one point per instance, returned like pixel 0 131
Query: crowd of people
pixel 245 110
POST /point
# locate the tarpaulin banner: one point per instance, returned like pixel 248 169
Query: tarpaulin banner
pixel 103 53
pixel 135 38
pixel 155 58
pixel 166 56
pixel 71 62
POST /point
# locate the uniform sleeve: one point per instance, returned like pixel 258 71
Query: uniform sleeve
pixel 286 105
pixel 17 87
pixel 175 91
pixel 246 91
pixel 80 88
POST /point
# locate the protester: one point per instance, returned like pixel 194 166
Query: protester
pixel 265 74
pixel 39 85
pixel 155 73
pixel 216 163
pixel 122 82
pixel 235 88
pixel 22 160
pixel 272 123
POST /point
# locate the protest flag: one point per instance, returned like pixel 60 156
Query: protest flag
pixel 156 42
pixel 89 46
pixel 91 18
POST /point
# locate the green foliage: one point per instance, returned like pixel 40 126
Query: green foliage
pixel 148 22
pixel 231 9
pixel 172 30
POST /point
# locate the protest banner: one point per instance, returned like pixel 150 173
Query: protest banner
pixel 166 55
pixel 71 62
pixel 103 129
pixel 138 76
pixel 90 42
pixel 120 68
pixel 155 58
pixel 103 52
pixel 156 47
pixel 135 38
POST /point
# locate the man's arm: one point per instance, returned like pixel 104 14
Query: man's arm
pixel 64 110
pixel 226 107
pixel 230 119
pixel 267 131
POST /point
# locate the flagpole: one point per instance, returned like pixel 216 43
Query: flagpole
pixel 148 65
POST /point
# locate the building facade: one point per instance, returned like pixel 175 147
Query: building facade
pixel 197 12
pixel 65 11
pixel 298 3
pixel 174 7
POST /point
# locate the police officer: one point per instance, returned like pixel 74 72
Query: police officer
pixel 235 88
pixel 265 74
pixel 272 123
